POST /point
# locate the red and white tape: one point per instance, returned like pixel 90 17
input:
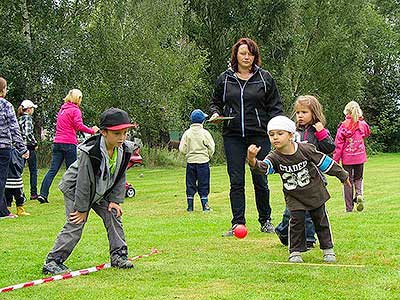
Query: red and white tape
pixel 70 274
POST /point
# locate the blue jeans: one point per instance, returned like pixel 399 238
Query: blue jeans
pixel 61 152
pixel 32 164
pixel 5 156
pixel 283 227
pixel 198 180
pixel 236 153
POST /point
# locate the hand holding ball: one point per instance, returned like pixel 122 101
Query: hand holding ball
pixel 240 231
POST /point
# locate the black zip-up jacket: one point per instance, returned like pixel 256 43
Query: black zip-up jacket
pixel 252 103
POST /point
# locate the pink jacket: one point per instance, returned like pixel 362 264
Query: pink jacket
pixel 69 121
pixel 349 142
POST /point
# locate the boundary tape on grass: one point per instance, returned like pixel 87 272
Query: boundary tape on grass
pixel 70 274
pixel 314 264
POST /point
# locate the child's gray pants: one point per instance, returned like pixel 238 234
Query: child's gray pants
pixel 71 233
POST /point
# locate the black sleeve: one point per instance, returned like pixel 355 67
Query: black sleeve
pixel 272 97
pixel 216 105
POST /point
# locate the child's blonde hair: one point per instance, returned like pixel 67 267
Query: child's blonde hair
pixel 3 86
pixel 74 96
pixel 313 105
pixel 353 109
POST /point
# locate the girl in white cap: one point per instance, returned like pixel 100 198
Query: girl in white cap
pixel 25 112
pixel 303 187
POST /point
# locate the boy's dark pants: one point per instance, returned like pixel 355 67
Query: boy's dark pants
pixel 5 156
pixel 197 180
pixel 17 193
pixel 297 237
pixel 71 233
pixel 283 227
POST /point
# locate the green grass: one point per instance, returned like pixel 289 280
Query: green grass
pixel 196 262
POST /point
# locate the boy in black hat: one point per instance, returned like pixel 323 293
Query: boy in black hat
pixel 96 181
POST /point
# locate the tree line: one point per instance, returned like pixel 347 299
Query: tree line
pixel 159 59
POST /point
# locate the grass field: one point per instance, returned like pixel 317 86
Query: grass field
pixel 196 262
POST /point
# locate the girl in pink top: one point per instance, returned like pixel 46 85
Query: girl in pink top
pixel 69 121
pixel 350 149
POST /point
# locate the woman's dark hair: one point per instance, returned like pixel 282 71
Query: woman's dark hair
pixel 253 48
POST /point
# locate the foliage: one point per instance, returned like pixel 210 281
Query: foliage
pixel 195 261
pixel 159 59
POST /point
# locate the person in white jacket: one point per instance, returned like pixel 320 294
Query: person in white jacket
pixel 198 146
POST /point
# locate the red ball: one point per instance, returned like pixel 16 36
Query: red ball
pixel 240 231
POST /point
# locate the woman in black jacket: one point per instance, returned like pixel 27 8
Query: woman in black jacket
pixel 248 94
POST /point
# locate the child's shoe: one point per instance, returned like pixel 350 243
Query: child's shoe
pixel 329 256
pixel 207 208
pixel 53 268
pixel 121 262
pixel 282 238
pixel 42 199
pixel 359 203
pixel 267 227
pixel 295 257
pixel 21 211
pixel 190 205
pixel 34 197
pixel 10 216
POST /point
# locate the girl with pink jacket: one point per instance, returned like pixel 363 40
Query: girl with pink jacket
pixel 350 149
pixel 69 121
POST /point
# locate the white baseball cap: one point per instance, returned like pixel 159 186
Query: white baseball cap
pixel 281 123
pixel 28 104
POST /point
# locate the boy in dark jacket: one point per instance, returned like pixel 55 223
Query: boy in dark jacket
pixel 96 181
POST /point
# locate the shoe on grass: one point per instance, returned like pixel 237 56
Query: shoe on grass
pixel 359 203
pixel 42 199
pixel 34 197
pixel 10 216
pixel 329 256
pixel 267 227
pixel 207 208
pixel 230 231
pixel 121 262
pixel 295 257
pixel 310 245
pixel 53 268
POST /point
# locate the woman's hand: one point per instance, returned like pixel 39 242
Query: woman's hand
pixel 252 152
pixel 118 209
pixel 78 217
pixel 213 118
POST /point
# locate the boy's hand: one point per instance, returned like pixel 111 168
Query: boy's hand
pixel 118 209
pixel 252 152
pixel 26 155
pixel 78 217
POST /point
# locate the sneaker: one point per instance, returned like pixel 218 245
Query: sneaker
pixel 329 256
pixel 189 209
pixel 282 238
pixel 10 216
pixel 310 245
pixel 267 227
pixel 230 231
pixel 359 203
pixel 42 199
pixel 53 268
pixel 34 197
pixel 207 208
pixel 121 262
pixel 295 257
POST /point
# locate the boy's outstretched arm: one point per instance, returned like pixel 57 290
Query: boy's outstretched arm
pixel 252 152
